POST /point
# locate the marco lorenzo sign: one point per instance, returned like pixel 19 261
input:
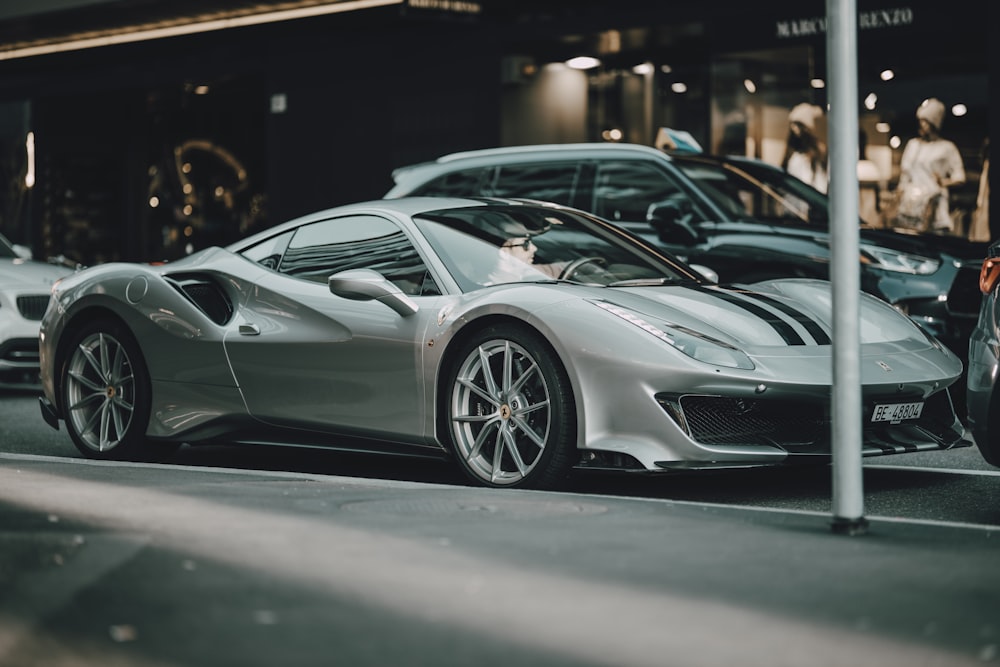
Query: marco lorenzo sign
pixel 867 20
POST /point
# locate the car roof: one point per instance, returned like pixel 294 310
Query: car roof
pixel 407 206
pixel 509 154
pixel 416 174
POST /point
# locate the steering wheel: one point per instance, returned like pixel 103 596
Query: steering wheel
pixel 575 265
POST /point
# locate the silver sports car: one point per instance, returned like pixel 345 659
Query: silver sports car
pixel 520 339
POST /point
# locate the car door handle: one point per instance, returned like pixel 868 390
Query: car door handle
pixel 249 330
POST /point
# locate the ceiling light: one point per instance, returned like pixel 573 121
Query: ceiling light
pixel 583 62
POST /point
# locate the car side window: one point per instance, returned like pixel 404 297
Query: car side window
pixel 625 189
pixel 318 250
pixel 462 183
pixel 269 251
pixel 552 182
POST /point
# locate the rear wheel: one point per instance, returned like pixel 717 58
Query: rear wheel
pixel 106 394
pixel 510 411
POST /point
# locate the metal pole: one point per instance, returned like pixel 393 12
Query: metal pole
pixel 842 86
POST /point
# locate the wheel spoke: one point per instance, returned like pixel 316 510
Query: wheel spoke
pixel 474 388
pixel 510 445
pixel 97 395
pixel 105 361
pixel 93 362
pixel 119 419
pixel 484 362
pixel 523 377
pixel 87 382
pixel 94 416
pixel 508 366
pixel 481 438
pixel 104 438
pixel 528 431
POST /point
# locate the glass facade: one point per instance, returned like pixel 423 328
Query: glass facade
pixel 152 150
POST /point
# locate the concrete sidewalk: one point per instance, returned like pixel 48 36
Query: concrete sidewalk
pixel 136 565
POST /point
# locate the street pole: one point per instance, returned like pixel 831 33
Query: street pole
pixel 842 86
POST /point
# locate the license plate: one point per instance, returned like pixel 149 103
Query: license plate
pixel 897 412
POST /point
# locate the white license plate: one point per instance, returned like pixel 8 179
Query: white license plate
pixel 897 412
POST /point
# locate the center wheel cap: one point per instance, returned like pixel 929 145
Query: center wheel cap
pixel 110 392
pixel 505 411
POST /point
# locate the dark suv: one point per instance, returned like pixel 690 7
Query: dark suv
pixel 743 218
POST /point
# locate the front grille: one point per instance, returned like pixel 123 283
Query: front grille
pixel 798 426
pixel 964 296
pixel 720 420
pixel 32 307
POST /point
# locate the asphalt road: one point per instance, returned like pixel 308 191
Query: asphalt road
pixel 234 556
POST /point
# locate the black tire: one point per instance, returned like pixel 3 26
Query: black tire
pixel 106 394
pixel 515 425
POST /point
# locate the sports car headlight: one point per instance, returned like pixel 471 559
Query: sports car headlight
pixel 900 262
pixel 692 343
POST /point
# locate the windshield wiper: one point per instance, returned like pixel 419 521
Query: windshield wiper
pixel 650 282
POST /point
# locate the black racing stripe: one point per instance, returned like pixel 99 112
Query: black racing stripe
pixel 783 328
pixel 811 325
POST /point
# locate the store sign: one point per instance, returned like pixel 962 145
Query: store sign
pixel 816 25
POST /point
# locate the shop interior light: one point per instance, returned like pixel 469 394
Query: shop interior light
pixel 887 75
pixel 29 147
pixel 679 87
pixel 883 128
pixel 583 62
pixel 817 83
pixel 642 69
pixel 959 109
pixel 871 99
pixel 750 86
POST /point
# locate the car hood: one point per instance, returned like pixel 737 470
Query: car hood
pixel 28 273
pixel 924 244
pixel 777 313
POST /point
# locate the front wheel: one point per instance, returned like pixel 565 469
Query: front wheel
pixel 510 415
pixel 106 394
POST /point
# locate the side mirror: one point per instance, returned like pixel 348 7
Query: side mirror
pixel 671 220
pixel 22 251
pixel 368 285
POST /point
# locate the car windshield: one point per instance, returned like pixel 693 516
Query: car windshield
pixel 758 192
pixel 489 245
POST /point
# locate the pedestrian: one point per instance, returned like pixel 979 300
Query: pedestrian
pixel 805 154
pixel 930 165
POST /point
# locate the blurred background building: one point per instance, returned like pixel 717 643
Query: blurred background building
pixel 147 129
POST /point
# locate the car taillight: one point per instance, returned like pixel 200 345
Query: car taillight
pixel 989 275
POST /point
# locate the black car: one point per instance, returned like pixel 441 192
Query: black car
pixel 744 219
pixel 984 362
